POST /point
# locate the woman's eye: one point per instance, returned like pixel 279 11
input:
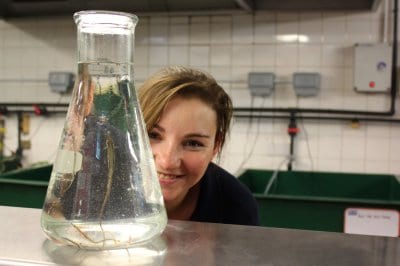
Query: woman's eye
pixel 194 144
pixel 154 135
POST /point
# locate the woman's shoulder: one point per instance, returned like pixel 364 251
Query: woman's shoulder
pixel 225 180
pixel 238 202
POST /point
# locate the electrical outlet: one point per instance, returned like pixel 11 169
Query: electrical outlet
pixel 306 84
pixel 261 83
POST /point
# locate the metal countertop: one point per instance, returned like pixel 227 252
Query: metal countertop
pixel 22 242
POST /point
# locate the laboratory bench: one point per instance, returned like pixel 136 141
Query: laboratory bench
pixel 22 242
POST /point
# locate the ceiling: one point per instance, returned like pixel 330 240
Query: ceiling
pixel 25 8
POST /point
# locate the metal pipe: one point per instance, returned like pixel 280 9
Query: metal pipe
pixel 393 91
pixel 310 110
pixel 385 20
pixel 19 148
pixel 339 118
pixel 2 131
pixel 292 130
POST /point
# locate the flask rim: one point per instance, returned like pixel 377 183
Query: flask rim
pixel 104 17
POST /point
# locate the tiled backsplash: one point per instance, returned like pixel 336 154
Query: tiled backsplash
pixel 228 46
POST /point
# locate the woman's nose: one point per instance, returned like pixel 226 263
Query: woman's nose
pixel 168 156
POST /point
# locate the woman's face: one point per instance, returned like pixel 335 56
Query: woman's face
pixel 183 144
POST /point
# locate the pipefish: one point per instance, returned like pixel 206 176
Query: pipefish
pixel 110 151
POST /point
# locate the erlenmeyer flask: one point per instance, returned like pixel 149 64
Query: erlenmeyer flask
pixel 104 191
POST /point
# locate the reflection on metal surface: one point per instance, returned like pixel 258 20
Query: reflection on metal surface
pixel 150 253
pixel 22 263
pixel 197 244
pixel 191 245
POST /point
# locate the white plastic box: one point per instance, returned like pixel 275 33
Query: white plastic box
pixel 372 67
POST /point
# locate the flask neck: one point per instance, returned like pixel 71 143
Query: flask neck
pixel 104 36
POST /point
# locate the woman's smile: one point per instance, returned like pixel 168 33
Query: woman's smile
pixel 168 176
pixel 168 179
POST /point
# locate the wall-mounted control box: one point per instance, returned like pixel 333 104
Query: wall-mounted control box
pixel 261 83
pixel 306 84
pixel 372 67
pixel 61 81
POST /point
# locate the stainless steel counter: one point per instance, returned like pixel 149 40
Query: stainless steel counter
pixel 189 243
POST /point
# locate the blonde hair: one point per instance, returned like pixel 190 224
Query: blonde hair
pixel 170 82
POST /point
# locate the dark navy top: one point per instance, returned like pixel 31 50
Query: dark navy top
pixel 223 199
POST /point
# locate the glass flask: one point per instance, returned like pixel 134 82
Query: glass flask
pixel 104 191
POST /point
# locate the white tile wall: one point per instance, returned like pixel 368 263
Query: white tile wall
pixel 310 55
pixel 141 55
pixel 334 28
pixel 242 55
pixel 221 31
pixel 394 149
pixel 159 32
pixel 310 26
pixel 329 165
pixel 229 46
pixel 179 34
pixel 329 148
pixel 159 56
pixel 265 28
pixel 242 29
pixel 377 149
pixel 178 55
pixel 359 31
pixel 332 56
pixel 353 166
pixel 352 148
pixel 199 55
pixel 221 55
pixel 222 73
pixel 200 31
pixel 376 166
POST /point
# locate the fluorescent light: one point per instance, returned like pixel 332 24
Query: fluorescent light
pixel 292 38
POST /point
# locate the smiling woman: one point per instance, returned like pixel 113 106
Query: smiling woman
pixel 187 117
